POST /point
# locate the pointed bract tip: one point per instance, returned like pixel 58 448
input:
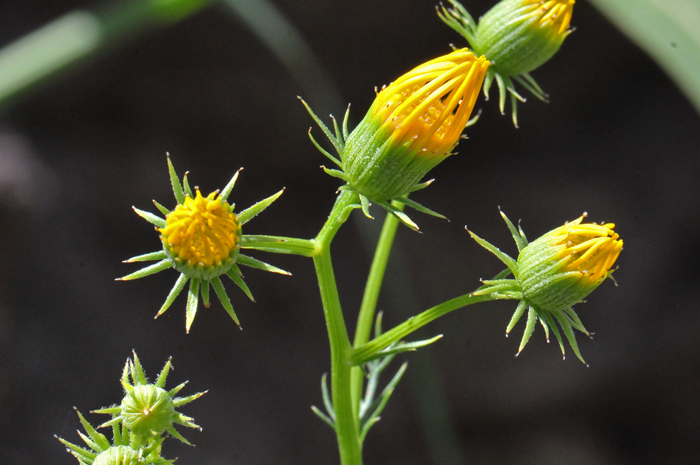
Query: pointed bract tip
pixel 207 305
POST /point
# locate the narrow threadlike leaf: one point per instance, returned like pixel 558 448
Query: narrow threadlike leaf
pixel 553 325
pixel 338 135
pixel 519 311
pixel 175 181
pixel 578 324
pixel 186 185
pixel 529 329
pixel 400 215
pixel 137 373
pixel 177 389
pixel 160 382
pixel 501 93
pixel 327 397
pixel 384 398
pixel 173 432
pixel 569 335
pixel 416 206
pixel 514 109
pixel 221 294
pixel 397 349
pixel 149 270
pixel 335 173
pixel 526 84
pixel 507 260
pixel 260 265
pixel 346 133
pixel 174 292
pixel 192 303
pixel 364 201
pixel 326 131
pixel 148 257
pixel 240 283
pixel 253 211
pixel 527 77
pixel 204 290
pixel 511 88
pixel 150 217
pixel 80 453
pixel 99 439
pixel 179 401
pixel 422 185
pixel 545 326
pixel 516 235
pixel 323 417
pixel 322 150
pixel 229 187
pixel 473 120
pixel 161 208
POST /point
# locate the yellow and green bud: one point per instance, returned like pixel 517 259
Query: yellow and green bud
pixel 413 125
pixel 201 238
pixel 553 273
pixel 517 36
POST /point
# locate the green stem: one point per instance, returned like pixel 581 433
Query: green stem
pixel 346 421
pixel 361 354
pixel 371 296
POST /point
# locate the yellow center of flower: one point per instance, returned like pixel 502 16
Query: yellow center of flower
pixel 428 107
pixel 590 249
pixel 202 231
pixel 554 14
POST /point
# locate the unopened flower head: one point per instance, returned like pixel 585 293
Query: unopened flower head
pixel 201 238
pixel 553 273
pixel 147 409
pixel 413 125
pixel 517 36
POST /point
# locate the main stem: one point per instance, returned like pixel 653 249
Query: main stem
pixel 346 421
pixel 371 296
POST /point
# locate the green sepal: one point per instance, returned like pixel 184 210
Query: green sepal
pixel 161 208
pixel 192 303
pixel 180 401
pixel 204 291
pixel 518 235
pixel 422 185
pixel 174 433
pixel 569 335
pixel 260 265
pixel 150 217
pixel 416 206
pixel 322 150
pixel 335 173
pixel 507 260
pixel 529 329
pixel 337 144
pixel 100 440
pixel 163 375
pixel 223 297
pixel 148 257
pixel 553 325
pixel 519 311
pixel 175 182
pixel 346 133
pixel 458 19
pixel 365 203
pixel 400 215
pixel 234 274
pixel 253 211
pixel 186 185
pixel 82 454
pixel 174 292
pixel 229 187
pixel 149 270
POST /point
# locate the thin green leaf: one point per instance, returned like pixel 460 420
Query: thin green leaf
pixel 150 217
pixel 364 202
pixel 205 293
pixel 100 440
pixel 400 215
pixel 253 211
pixel 422 185
pixel 186 185
pixel 383 399
pixel 569 335
pixel 163 375
pixel 174 292
pixel 553 325
pixel 346 133
pixel 161 208
pixel 323 417
pixel 192 303
pixel 240 283
pixel 416 206
pixel 254 263
pixel 221 294
pixel 148 257
pixel 519 311
pixel 149 270
pixel 322 150
pixel 326 131
pixel 229 187
pixel 529 329
pixel 335 173
pixel 516 235
pixel 397 349
pixel 507 260
pixel 175 181
pixel 327 397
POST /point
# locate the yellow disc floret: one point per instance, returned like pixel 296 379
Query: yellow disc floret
pixel 202 232
pixel 590 249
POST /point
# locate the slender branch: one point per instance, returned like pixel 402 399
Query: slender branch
pixel 362 354
pixel 371 296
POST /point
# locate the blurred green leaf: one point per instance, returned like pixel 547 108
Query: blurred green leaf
pixel 668 30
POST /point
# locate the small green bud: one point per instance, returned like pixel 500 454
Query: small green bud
pixel 148 410
pixel 553 273
pixel 119 455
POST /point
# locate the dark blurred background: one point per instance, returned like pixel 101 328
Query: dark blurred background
pixel 618 140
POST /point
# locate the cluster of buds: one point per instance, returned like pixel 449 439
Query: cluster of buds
pixel 553 273
pixel 412 126
pixel 139 423
pixel 517 36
